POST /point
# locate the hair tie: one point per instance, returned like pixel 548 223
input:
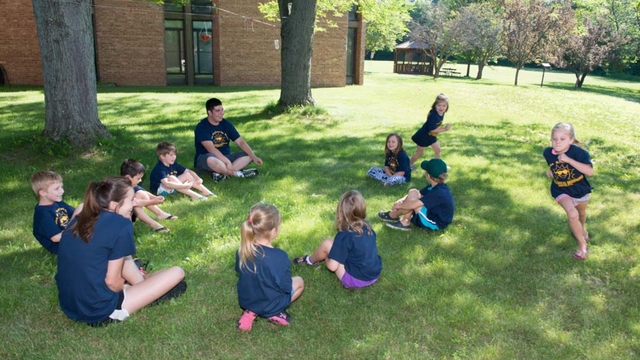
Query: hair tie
pixel 250 220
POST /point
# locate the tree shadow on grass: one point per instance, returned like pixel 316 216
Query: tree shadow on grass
pixel 625 93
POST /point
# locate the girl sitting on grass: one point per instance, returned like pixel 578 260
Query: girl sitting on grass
pixel 397 169
pixel 265 285
pixel 94 259
pixel 569 166
pixel 353 254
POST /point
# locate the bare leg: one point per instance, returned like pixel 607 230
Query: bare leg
pixel 413 194
pixel 321 251
pixel 149 290
pixel 417 155
pixel 142 215
pixel 242 162
pixel 574 222
pixel 298 287
pixel 582 215
pixel 436 150
pixel 186 176
pixel 336 267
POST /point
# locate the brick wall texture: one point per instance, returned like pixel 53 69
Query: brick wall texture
pixel 129 40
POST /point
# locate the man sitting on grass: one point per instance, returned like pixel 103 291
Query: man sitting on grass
pixel 213 153
pixel 430 208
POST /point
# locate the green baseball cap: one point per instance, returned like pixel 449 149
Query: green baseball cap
pixel 434 167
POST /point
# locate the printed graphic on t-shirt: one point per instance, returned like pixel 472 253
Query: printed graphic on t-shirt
pixel 564 175
pixel 394 164
pixel 219 138
pixel 62 218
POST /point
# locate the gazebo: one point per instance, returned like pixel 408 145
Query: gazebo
pixel 410 57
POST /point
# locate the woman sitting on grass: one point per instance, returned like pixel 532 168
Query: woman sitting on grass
pixel 94 258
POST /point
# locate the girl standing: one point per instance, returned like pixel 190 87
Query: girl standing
pixel 94 259
pixel 265 285
pixel 397 169
pixel 569 165
pixel 353 254
pixel 427 134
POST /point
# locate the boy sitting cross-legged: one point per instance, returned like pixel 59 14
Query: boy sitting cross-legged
pixel 168 176
pixel 134 171
pixel 51 215
pixel 430 208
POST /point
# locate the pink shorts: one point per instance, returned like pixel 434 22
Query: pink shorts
pixel 574 200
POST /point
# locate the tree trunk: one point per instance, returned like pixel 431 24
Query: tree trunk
pixel 296 30
pixel 579 80
pixel 480 68
pixel 517 72
pixel 468 67
pixel 65 35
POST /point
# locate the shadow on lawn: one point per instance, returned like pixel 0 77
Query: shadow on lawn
pixel 614 91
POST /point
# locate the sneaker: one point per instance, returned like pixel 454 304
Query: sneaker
pixel 246 320
pixel 250 173
pixel 173 293
pixel 283 319
pixel 414 167
pixel 384 216
pixel 398 225
pixel 302 260
pixel 142 266
pixel 218 177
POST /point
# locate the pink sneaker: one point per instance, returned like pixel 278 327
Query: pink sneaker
pixel 246 320
pixel 281 319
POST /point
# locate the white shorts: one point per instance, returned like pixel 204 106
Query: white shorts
pixel 164 192
pixel 119 313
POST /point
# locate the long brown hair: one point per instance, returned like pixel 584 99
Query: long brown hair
pixel 96 198
pixel 351 213
pixel 388 151
pixel 262 219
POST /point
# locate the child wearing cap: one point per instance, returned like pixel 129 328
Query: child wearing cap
pixel 430 208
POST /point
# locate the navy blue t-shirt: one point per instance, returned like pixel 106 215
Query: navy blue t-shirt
pixel 161 171
pixel 221 135
pixel 567 179
pixel 358 253
pixel 267 291
pixel 439 203
pixel 425 135
pixel 399 162
pixel 82 267
pixel 50 220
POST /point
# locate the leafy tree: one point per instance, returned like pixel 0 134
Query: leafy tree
pixel 533 29
pixel 441 32
pixel 386 22
pixel 482 33
pixel 68 68
pixel 587 48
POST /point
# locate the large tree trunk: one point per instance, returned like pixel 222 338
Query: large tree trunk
pixel 295 54
pixel 66 49
pixel 517 72
pixel 480 68
pixel 579 80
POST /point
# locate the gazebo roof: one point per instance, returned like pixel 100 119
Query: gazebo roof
pixel 412 45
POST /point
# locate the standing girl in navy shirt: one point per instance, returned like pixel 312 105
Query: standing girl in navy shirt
pixel 94 258
pixel 397 169
pixel 353 254
pixel 265 285
pixel 427 134
pixel 569 166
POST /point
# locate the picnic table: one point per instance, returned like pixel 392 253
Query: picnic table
pixel 446 71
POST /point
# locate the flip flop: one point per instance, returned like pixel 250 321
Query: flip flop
pixel 163 230
pixel 171 217
pixel 579 255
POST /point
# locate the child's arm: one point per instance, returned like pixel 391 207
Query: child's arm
pixel 586 169
pixel 441 129
pixel 114 279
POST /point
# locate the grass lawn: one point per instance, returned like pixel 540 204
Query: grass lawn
pixel 499 283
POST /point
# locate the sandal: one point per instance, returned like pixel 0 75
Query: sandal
pixel 171 217
pixel 579 255
pixel 163 230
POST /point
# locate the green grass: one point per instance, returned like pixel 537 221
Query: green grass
pixel 499 283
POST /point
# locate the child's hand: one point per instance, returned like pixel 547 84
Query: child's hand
pixel 447 127
pixel 157 200
pixel 188 183
pixel 563 158
pixel 549 173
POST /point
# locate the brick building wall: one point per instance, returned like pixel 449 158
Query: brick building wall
pixel 130 42
pixel 19 47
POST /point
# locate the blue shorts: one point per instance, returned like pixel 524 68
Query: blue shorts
pixel 350 282
pixel 420 219
pixel 201 163
pixel 164 192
